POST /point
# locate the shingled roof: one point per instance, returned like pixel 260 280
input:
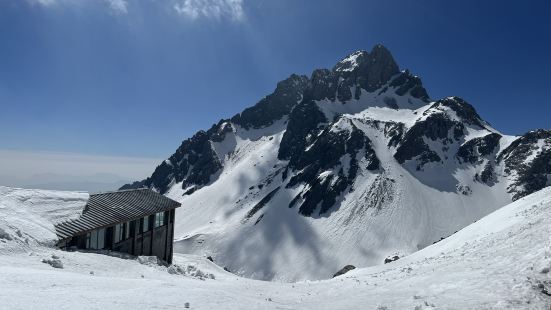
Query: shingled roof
pixel 107 209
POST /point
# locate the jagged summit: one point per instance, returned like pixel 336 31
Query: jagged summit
pixel 351 62
pixel 379 55
pixel 373 72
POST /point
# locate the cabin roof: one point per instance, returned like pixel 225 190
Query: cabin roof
pixel 110 208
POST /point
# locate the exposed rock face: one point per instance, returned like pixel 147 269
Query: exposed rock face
pixel 391 259
pixel 329 165
pixel 274 106
pixel 436 127
pixel 344 270
pixel 193 164
pixel 464 110
pixel 303 123
pixel 407 83
pixel 528 159
pixel 475 150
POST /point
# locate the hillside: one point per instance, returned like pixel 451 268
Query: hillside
pixel 500 262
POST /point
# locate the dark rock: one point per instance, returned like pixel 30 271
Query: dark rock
pixel 190 191
pixel 344 270
pixel 391 102
pixel 323 85
pixel 406 83
pixel 395 131
pixel 274 106
pixel 360 70
pixel 391 259
pixel 258 219
pixel 533 175
pixel 325 153
pixel 56 263
pixel 303 121
pixel 488 175
pixel 463 109
pixel 194 162
pixel 473 150
pixel 436 126
pixel 5 235
pixel 261 203
pixel 378 68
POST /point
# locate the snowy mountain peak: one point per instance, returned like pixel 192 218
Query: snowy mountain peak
pixel 379 55
pixel 347 166
pixel 351 62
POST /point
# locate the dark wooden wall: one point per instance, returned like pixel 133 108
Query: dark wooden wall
pixel 158 241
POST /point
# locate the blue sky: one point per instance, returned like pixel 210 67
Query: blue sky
pixel 134 78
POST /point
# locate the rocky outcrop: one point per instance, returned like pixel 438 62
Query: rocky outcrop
pixel 274 106
pixel 406 83
pixel 475 150
pixel 528 158
pixel 344 270
pixel 437 126
pixel 329 165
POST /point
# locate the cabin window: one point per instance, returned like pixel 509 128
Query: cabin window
pixel 126 230
pixel 134 226
pixel 88 240
pixel 95 239
pixel 145 223
pixel 101 238
pixel 159 219
pixel 119 232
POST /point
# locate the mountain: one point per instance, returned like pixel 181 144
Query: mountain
pixel 346 167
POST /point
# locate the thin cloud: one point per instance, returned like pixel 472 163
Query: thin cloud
pixel 26 164
pixel 116 6
pixel 211 9
pixel 191 9
pixel 42 2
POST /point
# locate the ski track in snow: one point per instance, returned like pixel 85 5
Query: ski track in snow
pixel 496 263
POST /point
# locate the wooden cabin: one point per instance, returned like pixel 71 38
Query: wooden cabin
pixel 137 222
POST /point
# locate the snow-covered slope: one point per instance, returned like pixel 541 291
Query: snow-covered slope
pixel 27 216
pixel 349 166
pixel 500 262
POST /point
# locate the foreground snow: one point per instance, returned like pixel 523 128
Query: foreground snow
pixel 498 262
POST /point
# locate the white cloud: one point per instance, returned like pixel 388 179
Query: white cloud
pixel 119 6
pixel 216 9
pixel 43 2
